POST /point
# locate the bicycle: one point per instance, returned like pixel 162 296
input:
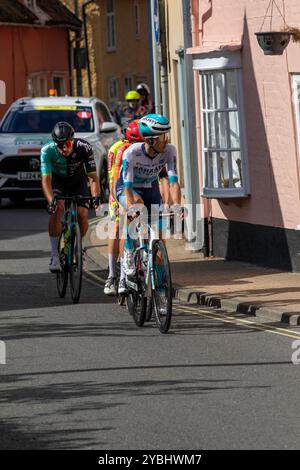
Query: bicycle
pixel 70 249
pixel 151 286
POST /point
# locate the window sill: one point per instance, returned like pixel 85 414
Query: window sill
pixel 224 193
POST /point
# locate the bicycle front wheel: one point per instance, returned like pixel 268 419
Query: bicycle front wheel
pixel 75 265
pixel 62 277
pixel 162 292
pixel 136 300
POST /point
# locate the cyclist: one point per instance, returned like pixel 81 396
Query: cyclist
pixel 66 165
pixel 133 109
pixel 146 100
pixel 115 156
pixel 142 163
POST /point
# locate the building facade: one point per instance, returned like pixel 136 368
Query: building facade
pixel 118 40
pixel 34 48
pixel 248 127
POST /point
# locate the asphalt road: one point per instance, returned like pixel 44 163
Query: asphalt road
pixel 85 377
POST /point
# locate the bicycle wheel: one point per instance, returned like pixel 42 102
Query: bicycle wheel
pixel 75 264
pixel 162 292
pixel 62 277
pixel 136 300
pixel 149 310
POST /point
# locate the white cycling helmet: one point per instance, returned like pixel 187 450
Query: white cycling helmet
pixel 153 125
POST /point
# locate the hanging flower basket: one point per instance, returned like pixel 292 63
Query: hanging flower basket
pixel 272 42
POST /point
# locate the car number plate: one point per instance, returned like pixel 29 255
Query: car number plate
pixel 29 175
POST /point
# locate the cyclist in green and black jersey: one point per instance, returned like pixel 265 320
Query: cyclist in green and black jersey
pixel 67 164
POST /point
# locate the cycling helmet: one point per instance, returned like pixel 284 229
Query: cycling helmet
pixel 143 89
pixel 153 125
pixel 62 132
pixel 132 95
pixel 133 133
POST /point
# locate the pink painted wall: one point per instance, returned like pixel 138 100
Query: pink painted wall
pixel 271 140
pixel 25 50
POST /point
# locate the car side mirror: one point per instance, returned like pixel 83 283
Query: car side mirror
pixel 108 127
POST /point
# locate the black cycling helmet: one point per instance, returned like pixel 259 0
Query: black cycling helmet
pixel 143 89
pixel 62 131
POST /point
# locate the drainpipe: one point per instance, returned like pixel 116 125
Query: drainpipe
pixel 185 140
pixel 84 7
pixel 163 65
pixel 78 69
pixel 70 64
pixel 197 35
pixel 156 81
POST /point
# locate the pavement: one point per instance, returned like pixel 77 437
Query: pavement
pixel 270 295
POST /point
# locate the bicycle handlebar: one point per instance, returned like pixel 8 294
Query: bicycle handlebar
pixel 75 198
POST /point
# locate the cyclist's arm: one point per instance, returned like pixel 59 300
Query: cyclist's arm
pixel 46 174
pixel 47 187
pixel 175 190
pixel 111 165
pixel 94 184
pixel 128 177
pixel 90 166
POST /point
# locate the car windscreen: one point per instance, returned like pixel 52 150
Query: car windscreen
pixel 42 119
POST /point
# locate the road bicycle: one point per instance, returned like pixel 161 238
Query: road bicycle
pixel 150 289
pixel 70 249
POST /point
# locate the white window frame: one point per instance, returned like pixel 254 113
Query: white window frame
pixel 34 84
pixel 31 4
pixel 62 76
pixel 222 62
pixel 296 99
pixel 128 79
pixel 137 18
pixel 113 100
pixel 111 25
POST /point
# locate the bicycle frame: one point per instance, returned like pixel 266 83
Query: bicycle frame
pixel 152 237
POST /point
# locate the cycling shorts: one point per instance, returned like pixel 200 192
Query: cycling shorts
pixel 71 187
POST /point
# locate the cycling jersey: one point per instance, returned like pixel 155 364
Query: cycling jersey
pixel 139 170
pixel 119 160
pixel 112 154
pixel 73 167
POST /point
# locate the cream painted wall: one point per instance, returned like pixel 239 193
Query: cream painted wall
pixel 132 54
pixel 174 32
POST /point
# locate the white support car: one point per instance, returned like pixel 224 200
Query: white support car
pixel 27 126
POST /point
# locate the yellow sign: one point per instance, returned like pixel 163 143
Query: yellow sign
pixel 56 108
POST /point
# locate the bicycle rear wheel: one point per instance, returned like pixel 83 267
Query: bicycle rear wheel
pixel 76 264
pixel 136 300
pixel 162 292
pixel 62 277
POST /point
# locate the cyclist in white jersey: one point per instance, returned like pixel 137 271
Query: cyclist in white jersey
pixel 142 162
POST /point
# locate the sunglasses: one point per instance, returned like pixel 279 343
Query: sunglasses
pixel 163 138
pixel 67 145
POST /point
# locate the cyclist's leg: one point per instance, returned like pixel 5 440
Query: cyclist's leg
pixel 127 244
pixel 152 200
pixel 54 226
pixel 113 248
pixel 81 188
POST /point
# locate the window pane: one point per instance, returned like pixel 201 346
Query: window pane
pixel 225 174
pixel 221 127
pixel 234 129
pixel 237 169
pixel 231 89
pixel 110 6
pixel 221 99
pixel 211 130
pixel 209 92
pixel 212 169
pixel 204 88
